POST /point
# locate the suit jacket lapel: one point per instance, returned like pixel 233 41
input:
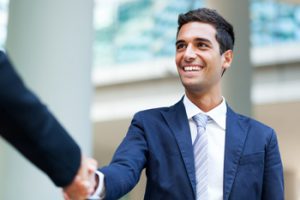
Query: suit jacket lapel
pixel 177 120
pixel 236 133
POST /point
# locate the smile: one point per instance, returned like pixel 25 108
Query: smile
pixel 192 68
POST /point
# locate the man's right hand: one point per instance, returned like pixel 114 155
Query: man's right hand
pixel 84 182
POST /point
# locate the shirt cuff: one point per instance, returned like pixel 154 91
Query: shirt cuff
pixel 100 190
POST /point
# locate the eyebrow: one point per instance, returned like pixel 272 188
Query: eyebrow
pixel 197 40
pixel 178 41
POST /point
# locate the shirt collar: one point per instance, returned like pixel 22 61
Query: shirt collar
pixel 218 114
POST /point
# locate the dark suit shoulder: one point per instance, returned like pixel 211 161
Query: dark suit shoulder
pixel 159 110
pixel 253 127
pixel 257 129
pixel 254 123
pixel 152 112
pixel 150 117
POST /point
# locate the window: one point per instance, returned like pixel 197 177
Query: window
pixel 129 31
pixel 274 22
pixel 132 32
pixel 3 21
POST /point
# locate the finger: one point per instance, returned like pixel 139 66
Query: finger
pixel 79 188
pixel 86 184
pixel 88 168
pixel 92 182
pixel 92 186
pixel 66 197
pixel 92 165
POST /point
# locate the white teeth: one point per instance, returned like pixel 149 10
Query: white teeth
pixel 191 68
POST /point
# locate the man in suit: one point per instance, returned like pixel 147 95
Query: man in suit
pixel 28 125
pixel 241 158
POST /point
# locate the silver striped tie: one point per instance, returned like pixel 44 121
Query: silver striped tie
pixel 200 146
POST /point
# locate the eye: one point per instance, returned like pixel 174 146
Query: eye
pixel 180 46
pixel 202 45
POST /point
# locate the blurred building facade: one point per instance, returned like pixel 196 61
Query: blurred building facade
pixel 134 69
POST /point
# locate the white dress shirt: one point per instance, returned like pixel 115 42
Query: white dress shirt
pixel 100 190
pixel 215 129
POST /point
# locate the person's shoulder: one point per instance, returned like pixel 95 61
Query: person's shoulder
pixel 253 121
pixel 152 111
pixel 160 110
pixel 149 116
pixel 255 125
pixel 246 121
pixel 257 131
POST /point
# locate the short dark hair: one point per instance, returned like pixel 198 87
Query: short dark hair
pixel 225 33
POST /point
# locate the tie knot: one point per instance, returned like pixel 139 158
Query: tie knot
pixel 201 120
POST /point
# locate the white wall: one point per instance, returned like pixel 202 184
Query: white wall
pixel 50 42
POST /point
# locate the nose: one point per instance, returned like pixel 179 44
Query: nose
pixel 189 54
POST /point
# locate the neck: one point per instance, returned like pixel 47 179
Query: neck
pixel 205 102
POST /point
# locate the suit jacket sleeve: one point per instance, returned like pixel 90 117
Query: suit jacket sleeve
pixel 273 184
pixel 124 171
pixel 28 125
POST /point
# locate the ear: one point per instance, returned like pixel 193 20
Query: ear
pixel 227 58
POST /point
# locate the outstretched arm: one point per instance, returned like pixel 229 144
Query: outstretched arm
pixel 30 127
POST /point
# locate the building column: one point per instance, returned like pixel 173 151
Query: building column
pixel 50 43
pixel 237 79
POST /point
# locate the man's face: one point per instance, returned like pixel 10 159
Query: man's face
pixel 198 58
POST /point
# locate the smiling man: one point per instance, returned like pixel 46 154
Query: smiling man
pixel 201 63
pixel 198 148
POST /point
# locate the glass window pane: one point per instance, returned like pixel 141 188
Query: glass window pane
pixel 3 21
pixel 136 30
pixel 131 31
pixel 274 22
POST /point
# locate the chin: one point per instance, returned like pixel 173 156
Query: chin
pixel 195 88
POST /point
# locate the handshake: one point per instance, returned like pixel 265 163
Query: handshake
pixel 84 182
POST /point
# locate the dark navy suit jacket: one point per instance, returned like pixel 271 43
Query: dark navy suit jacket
pixel 28 125
pixel 159 140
